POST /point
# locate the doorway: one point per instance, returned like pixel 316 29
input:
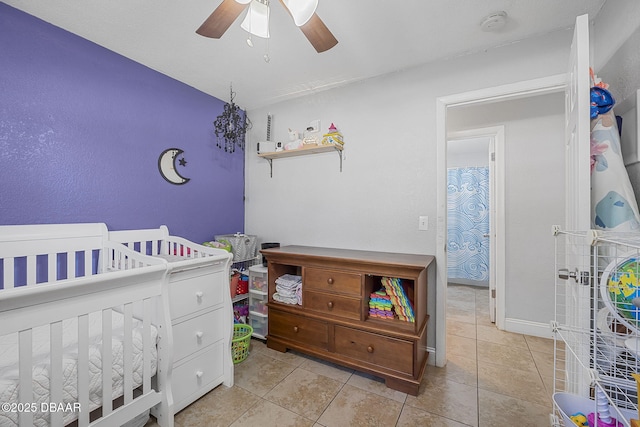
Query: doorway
pixel 522 90
pixel 475 228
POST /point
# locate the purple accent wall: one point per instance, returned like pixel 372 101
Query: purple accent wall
pixel 81 130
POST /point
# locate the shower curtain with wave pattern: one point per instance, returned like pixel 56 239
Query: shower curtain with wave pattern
pixel 467 223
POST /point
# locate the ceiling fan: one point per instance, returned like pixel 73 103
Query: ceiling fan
pixel 303 13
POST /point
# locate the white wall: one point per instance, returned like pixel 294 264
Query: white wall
pixel 613 27
pixel 389 174
pixel 462 153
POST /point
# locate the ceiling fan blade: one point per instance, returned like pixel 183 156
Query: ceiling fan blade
pixel 318 34
pixel 221 19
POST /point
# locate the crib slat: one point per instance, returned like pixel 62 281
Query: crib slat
pixel 121 261
pixel 107 361
pixel 146 355
pixel 88 263
pixel 154 247
pixel 52 268
pixel 128 353
pixel 55 395
pixel 25 394
pixel 83 370
pixel 8 273
pixel 71 264
pixel 31 270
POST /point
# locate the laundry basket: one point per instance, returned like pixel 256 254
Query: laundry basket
pixel 240 342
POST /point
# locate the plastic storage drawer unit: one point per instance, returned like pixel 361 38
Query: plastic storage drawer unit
pixel 258 303
pixel 259 325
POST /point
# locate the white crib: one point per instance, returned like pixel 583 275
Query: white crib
pixel 74 305
pixel 200 306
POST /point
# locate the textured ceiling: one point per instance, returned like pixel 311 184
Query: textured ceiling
pixel 375 37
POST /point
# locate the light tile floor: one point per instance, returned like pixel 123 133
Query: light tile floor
pixel 492 379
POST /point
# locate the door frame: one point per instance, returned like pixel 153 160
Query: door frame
pixel 496 137
pixel 534 87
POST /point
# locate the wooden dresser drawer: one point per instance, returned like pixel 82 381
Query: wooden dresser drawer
pixel 332 304
pixel 297 328
pixel 196 293
pixel 333 281
pixel 391 353
pixel 197 333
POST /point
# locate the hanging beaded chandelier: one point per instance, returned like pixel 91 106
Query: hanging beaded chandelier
pixel 231 126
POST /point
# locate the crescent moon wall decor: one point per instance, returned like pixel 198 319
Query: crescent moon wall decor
pixel 167 166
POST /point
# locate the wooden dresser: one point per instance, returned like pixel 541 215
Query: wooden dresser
pixel 333 322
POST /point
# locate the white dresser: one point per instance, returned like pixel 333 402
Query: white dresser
pixel 197 281
pixel 202 319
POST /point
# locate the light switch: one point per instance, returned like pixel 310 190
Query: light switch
pixel 423 223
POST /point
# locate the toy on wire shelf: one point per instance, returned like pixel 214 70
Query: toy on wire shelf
pixel 294 140
pixel 579 419
pixel 240 313
pixel 602 410
pixel 620 291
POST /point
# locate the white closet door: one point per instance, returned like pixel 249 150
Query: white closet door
pixel 577 131
pixel 578 196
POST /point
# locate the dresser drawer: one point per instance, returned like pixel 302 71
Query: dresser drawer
pixel 332 304
pixel 297 328
pixel 379 350
pixel 334 281
pixel 197 333
pixel 196 376
pixel 196 293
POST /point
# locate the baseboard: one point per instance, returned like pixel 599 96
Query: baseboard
pixel 431 360
pixel 525 327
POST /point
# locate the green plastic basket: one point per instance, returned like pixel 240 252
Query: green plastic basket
pixel 240 342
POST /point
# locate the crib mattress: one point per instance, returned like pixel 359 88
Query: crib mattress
pixel 9 378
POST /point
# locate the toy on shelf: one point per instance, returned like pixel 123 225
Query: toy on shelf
pixel 399 299
pixel 334 137
pixel 294 140
pixel 380 305
pixel 310 136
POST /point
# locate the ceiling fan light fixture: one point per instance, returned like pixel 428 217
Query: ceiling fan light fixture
pixel 256 21
pixel 301 10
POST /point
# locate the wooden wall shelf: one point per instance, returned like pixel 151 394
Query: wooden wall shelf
pixel 304 151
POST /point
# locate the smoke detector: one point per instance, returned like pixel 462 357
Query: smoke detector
pixel 494 22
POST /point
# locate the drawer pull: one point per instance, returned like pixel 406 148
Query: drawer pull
pixel 199 374
pixel 330 280
pixel 199 335
pixel 330 305
pixel 295 329
pixel 370 349
pixel 199 295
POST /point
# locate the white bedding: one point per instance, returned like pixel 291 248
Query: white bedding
pixel 9 379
